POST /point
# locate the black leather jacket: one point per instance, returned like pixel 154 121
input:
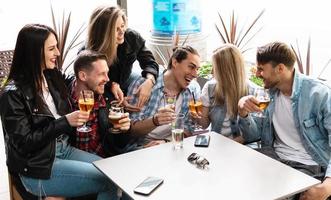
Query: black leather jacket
pixel 132 49
pixel 30 132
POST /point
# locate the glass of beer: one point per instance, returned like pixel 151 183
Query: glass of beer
pixel 177 131
pixel 85 103
pixel 195 106
pixel 115 115
pixel 262 95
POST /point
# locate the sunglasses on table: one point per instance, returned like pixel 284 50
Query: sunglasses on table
pixel 200 161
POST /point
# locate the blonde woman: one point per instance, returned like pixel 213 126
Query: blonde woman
pixel 108 34
pixel 220 95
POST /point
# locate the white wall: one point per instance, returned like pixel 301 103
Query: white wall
pixel 14 14
pixel 284 20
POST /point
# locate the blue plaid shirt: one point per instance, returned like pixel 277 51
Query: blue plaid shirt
pixel 156 100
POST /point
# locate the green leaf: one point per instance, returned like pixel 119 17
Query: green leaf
pixel 258 81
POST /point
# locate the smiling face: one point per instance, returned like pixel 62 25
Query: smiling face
pixel 269 74
pixel 51 52
pixel 96 79
pixel 120 30
pixel 186 70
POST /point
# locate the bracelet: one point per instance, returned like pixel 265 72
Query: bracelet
pixel 154 121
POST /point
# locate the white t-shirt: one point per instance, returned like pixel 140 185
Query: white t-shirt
pixel 287 143
pixel 50 103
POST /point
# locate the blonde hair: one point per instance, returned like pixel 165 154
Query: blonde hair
pixel 102 31
pixel 229 72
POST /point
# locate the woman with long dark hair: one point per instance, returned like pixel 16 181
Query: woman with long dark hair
pixel 37 120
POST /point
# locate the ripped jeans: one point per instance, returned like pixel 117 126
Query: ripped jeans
pixel 73 174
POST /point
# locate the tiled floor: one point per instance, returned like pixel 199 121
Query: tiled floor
pixel 4 190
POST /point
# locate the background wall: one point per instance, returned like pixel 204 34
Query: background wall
pixel 283 20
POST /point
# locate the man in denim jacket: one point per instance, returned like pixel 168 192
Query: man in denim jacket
pixel 297 124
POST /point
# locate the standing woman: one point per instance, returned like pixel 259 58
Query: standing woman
pixel 220 95
pixel 108 34
pixel 37 118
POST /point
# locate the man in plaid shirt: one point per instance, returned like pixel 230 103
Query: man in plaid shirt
pixel 91 71
pixel 153 122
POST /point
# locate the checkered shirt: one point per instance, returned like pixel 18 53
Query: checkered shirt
pixel 156 100
pixel 91 141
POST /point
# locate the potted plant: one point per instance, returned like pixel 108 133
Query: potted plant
pixel 253 78
pixel 307 69
pixel 204 73
pixel 62 27
pixel 230 34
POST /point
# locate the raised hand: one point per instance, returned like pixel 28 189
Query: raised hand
pixel 165 115
pixel 248 104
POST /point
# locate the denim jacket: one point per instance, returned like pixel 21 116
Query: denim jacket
pixel 217 113
pixel 311 105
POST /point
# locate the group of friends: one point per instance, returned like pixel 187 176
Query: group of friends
pixel 40 112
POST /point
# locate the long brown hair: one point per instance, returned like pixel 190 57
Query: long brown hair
pixel 102 30
pixel 229 72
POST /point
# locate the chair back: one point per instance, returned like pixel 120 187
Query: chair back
pixel 6 58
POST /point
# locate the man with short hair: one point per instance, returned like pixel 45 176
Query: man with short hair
pixel 152 124
pixel 297 123
pixel 91 71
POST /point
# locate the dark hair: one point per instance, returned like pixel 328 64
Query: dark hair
pixel 29 56
pixel 275 53
pixel 85 59
pixel 180 53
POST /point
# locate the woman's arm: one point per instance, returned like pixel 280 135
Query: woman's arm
pixel 29 131
pixel 144 55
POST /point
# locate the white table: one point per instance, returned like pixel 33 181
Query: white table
pixel 235 172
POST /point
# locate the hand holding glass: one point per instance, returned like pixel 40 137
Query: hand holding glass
pixel 195 106
pixel 85 103
pixel 115 115
pixel 262 95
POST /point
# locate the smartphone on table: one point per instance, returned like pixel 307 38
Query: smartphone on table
pixel 148 185
pixel 202 141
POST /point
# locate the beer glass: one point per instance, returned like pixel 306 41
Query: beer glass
pixel 85 103
pixel 195 106
pixel 262 95
pixel 115 115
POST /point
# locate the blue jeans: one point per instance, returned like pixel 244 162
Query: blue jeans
pixel 73 174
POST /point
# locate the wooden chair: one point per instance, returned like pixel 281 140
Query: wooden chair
pixel 17 190
pixel 14 195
